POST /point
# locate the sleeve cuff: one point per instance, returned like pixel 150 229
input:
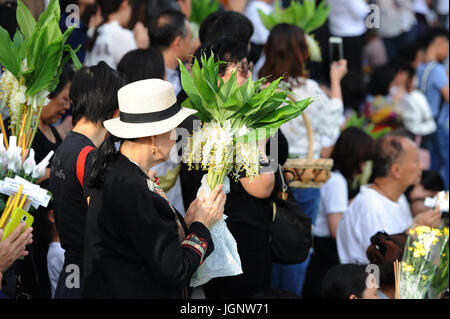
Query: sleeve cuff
pixel 199 240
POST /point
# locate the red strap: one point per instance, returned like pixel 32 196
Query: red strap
pixel 81 161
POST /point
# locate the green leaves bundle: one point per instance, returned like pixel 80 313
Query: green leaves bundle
pixel 306 16
pixel 234 118
pixel 202 8
pixel 33 63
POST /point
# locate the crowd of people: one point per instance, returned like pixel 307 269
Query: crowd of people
pixel 125 220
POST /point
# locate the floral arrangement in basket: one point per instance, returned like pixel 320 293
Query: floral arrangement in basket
pixel 32 64
pixel 422 261
pixel 233 119
pixel 306 16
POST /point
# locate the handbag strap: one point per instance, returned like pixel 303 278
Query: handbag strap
pixel 283 183
pixel 309 131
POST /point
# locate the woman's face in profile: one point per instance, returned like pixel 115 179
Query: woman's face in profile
pixel 164 144
pixel 243 71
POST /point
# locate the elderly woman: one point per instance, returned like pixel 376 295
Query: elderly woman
pixel 137 244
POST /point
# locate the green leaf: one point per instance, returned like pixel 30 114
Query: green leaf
pixel 9 54
pixel 320 17
pixel 25 20
pixel 46 70
pixel 203 8
pixel 18 40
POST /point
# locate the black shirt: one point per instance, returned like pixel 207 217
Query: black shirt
pixel 69 198
pixel 132 247
pixel 42 146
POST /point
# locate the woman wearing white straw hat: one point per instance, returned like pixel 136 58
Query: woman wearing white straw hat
pixel 137 245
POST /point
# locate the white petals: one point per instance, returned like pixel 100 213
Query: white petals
pixel 313 48
pixel 214 146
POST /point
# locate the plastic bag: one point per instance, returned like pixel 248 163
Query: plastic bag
pixel 224 260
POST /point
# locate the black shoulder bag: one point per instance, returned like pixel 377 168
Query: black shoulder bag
pixel 291 229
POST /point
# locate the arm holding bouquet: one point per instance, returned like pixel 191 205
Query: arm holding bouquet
pixel 238 116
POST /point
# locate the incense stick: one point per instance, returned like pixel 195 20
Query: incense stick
pixel 397 271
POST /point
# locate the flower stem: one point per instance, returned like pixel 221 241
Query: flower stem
pixel 36 126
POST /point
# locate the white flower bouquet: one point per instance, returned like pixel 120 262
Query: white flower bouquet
pixel 31 63
pixel 233 119
pixel 306 16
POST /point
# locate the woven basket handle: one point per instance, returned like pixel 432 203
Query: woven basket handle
pixel 308 131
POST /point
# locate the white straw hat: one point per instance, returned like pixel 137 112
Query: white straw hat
pixel 147 108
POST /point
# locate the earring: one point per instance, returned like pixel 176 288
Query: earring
pixel 154 150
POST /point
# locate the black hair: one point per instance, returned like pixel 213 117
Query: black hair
pixel 107 7
pixel 353 147
pixel 402 64
pixel 166 27
pixel 381 79
pixel 65 77
pixel 432 181
pixel 8 17
pixel 408 53
pixel 226 24
pixel 354 89
pixel 433 34
pixel 383 251
pixel 104 155
pixel 93 93
pixel 142 64
pixel 344 280
pixel 224 49
pixel 155 7
pixel 388 149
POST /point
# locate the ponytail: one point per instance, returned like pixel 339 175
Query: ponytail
pixel 104 155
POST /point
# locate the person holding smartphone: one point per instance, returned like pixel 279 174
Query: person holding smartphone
pixel 287 54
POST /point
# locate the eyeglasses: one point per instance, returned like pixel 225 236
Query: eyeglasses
pixel 245 68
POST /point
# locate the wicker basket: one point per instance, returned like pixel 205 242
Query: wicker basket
pixel 309 172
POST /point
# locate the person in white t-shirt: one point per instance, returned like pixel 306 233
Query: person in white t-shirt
pixel 353 149
pixel 382 206
pixel 111 40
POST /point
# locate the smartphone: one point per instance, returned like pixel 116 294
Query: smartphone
pixel 17 216
pixel 336 49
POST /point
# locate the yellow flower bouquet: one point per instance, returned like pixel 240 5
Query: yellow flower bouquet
pixel 421 261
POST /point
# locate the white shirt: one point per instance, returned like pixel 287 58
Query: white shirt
pixel 333 199
pixel 55 263
pixel 174 78
pixel 396 17
pixel 348 17
pixel 324 114
pixel 416 113
pixel 369 213
pixel 260 33
pixel 112 43
pixel 442 7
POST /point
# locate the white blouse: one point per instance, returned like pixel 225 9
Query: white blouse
pixel 112 43
pixel 324 114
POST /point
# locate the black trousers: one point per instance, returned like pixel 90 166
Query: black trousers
pixel 325 257
pixel 254 251
pixel 353 48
